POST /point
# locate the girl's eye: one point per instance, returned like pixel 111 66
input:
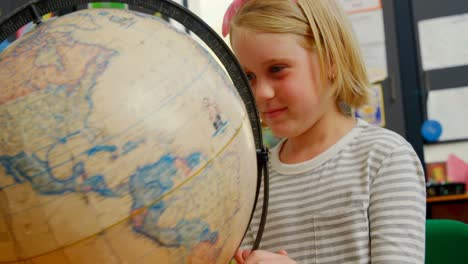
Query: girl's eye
pixel 250 76
pixel 276 68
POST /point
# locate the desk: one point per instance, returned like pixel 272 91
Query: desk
pixel 448 207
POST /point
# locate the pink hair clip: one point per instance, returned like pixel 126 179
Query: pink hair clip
pixel 231 12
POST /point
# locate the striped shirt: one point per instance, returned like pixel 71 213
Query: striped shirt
pixel 361 201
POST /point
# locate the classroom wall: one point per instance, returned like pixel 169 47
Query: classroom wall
pixel 212 13
pixel 440 152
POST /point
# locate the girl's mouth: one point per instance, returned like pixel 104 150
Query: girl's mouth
pixel 274 113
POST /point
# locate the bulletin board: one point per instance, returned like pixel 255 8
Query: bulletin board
pixel 442 38
pixel 367 21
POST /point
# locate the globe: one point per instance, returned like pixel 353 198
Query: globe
pixel 122 140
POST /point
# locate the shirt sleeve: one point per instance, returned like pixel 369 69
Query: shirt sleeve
pixel 397 209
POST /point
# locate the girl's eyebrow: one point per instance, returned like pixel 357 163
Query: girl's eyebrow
pixel 273 61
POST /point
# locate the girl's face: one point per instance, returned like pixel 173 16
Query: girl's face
pixel 285 78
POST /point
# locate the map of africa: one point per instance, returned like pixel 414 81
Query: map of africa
pixel 121 141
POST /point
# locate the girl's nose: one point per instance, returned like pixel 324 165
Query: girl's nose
pixel 263 90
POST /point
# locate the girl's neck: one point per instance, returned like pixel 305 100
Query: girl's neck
pixel 327 131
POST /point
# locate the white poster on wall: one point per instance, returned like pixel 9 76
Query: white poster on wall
pixel 354 6
pixel 370 32
pixel 444 42
pixel 449 107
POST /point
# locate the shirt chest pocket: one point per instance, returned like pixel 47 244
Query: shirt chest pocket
pixel 342 235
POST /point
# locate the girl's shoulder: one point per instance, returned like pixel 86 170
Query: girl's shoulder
pixel 376 135
pixel 378 145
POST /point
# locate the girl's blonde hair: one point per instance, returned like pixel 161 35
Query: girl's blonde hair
pixel 323 27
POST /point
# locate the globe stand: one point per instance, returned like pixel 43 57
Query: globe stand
pixel 35 9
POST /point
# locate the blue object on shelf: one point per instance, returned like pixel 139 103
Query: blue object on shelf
pixel 431 130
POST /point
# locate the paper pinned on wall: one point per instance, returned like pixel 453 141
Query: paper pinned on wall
pixel 366 17
pixel 443 42
pixel 374 111
pixel 457 170
pixel 449 107
pixel 369 29
pixel 355 6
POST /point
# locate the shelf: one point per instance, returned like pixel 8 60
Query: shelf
pixel 447 198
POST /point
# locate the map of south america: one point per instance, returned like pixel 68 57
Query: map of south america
pixel 148 185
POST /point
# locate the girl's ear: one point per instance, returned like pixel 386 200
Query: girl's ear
pixel 332 70
pixel 332 73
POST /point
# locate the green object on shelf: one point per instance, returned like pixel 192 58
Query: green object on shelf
pixel 446 241
pixel 108 5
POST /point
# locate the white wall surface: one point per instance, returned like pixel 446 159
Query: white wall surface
pixel 440 152
pixel 211 11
